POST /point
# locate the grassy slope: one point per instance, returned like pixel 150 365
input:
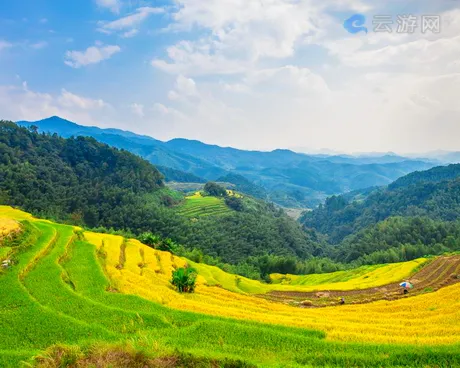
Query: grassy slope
pixel 57 293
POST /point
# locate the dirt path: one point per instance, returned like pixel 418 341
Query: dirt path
pixel 441 272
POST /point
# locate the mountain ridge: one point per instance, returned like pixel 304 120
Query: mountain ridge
pixel 291 179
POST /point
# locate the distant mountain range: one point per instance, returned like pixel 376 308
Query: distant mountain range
pixel 288 178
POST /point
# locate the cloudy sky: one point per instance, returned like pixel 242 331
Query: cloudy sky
pixel 253 74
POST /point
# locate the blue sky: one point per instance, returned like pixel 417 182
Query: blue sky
pixel 255 74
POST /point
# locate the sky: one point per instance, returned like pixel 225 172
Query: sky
pixel 251 74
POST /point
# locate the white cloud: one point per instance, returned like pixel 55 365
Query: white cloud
pixel 68 99
pixel 160 108
pixel 198 58
pixel 289 81
pixel 240 32
pixel 92 55
pixel 39 45
pixel 186 86
pixel 22 103
pixel 131 33
pixel 129 22
pixel 112 5
pixel 173 95
pixel 4 45
pixel 43 21
pixel 137 109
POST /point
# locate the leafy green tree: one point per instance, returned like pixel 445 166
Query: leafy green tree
pixel 150 239
pixel 184 279
pixel 215 190
pixel 168 245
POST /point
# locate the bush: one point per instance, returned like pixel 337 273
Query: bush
pixel 184 279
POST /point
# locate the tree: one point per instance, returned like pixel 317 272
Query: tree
pixel 234 203
pixel 167 245
pixel 184 279
pixel 215 190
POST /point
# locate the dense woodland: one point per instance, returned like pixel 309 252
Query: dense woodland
pixel 415 216
pixel 410 196
pixel 84 182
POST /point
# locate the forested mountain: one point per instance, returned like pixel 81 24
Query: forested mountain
pixel 84 182
pixel 435 175
pixel 433 194
pixel 290 179
pixel 77 178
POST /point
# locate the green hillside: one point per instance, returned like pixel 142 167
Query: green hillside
pixel 83 182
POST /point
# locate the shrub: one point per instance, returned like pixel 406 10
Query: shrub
pixel 184 279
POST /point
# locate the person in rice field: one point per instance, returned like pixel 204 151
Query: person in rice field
pixel 342 301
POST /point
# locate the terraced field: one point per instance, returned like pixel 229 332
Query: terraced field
pixel 80 289
pixel 197 206
pixel 441 272
pixel 360 278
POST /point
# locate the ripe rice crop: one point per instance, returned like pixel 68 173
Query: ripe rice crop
pixel 426 319
pixel 7 226
pixel 360 278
